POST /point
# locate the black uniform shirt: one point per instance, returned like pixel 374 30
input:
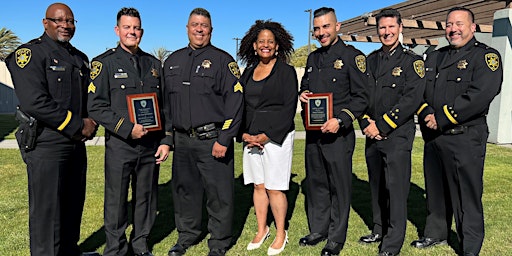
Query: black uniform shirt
pixel 50 81
pixel 461 87
pixel 113 77
pixel 339 69
pixel 202 87
pixel 396 87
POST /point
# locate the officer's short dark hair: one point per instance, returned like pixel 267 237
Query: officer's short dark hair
pixel 202 12
pixel 322 11
pixel 388 13
pixel 460 8
pixel 127 11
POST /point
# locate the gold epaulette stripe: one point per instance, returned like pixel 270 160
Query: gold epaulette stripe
pixel 66 121
pixel 227 124
pixel 389 121
pixel 448 115
pixel 349 113
pixel 366 116
pixel 118 125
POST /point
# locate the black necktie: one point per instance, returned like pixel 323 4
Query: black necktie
pixel 135 62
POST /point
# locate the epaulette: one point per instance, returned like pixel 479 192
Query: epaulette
pixel 410 52
pixel 482 45
pixel 31 42
pixel 374 52
pixel 106 53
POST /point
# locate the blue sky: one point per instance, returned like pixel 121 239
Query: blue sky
pixel 164 21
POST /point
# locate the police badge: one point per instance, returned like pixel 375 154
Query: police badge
pixel 396 71
pixel 462 64
pixel 338 64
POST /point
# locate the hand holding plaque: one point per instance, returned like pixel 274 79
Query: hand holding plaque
pixel 318 110
pixel 143 109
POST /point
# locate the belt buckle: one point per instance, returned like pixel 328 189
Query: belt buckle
pixel 192 133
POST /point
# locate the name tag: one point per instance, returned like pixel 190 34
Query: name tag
pixel 121 75
pixel 58 68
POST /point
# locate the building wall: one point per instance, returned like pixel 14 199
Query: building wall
pixel 8 100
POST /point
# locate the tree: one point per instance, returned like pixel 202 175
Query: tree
pixel 300 56
pixel 161 54
pixel 8 42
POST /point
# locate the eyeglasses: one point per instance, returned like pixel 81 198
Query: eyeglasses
pixel 60 21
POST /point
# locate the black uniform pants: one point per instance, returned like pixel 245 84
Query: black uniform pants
pixel 195 173
pixel 56 188
pixel 462 159
pixel 133 161
pixel 329 182
pixel 389 171
pixel 439 213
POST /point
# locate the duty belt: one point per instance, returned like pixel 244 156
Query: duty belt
pixel 203 132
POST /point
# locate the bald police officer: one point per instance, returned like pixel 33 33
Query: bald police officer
pixel 462 80
pixel 50 80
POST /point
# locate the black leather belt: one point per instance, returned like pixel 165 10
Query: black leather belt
pixel 203 132
pixel 459 129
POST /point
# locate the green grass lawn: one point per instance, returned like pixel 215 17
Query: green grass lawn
pixel 497 203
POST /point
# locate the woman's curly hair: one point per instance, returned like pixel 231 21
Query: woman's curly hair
pixel 283 38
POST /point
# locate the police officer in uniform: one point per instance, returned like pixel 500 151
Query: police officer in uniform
pixel 396 87
pixel 338 69
pixel 206 99
pixel 462 80
pixel 131 151
pixel 50 81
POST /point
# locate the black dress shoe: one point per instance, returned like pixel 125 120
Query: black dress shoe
pixel 426 242
pixel 144 254
pixel 331 248
pixel 177 250
pixel 371 238
pixel 217 252
pixel 90 254
pixel 311 239
pixel 387 254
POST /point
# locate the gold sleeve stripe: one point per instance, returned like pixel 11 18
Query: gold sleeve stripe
pixel 349 113
pixel 227 124
pixel 118 125
pixel 448 115
pixel 422 108
pixel 366 116
pixel 389 121
pixel 66 121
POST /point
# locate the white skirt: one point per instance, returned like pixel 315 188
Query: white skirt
pixel 270 166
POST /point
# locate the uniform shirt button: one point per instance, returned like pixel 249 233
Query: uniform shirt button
pixel 122 86
pixel 59 79
pixel 393 85
pixel 458 79
pixel 334 79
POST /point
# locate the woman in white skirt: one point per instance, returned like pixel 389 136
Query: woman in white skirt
pixel 270 94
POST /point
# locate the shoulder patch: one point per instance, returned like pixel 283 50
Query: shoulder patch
pixel 419 68
pixel 23 56
pixel 233 67
pixel 361 63
pixel 96 67
pixel 493 61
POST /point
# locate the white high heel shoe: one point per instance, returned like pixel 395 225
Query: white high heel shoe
pixel 252 246
pixel 272 251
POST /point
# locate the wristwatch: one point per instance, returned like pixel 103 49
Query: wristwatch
pixel 339 121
